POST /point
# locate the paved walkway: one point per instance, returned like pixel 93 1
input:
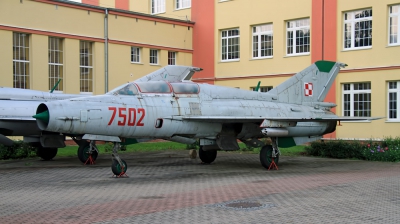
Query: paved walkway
pixel 168 187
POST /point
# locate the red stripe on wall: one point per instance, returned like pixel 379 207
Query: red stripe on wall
pixel 316 31
pixel 122 4
pixel 49 33
pixel 149 46
pixel 203 39
pixel 324 41
pixel 91 2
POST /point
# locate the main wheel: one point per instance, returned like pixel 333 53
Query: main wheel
pixel 266 156
pixel 116 167
pixel 207 156
pixel 83 152
pixel 46 153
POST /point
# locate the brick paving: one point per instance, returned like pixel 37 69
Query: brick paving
pixel 169 187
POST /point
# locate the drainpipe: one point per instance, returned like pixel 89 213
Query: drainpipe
pixel 106 50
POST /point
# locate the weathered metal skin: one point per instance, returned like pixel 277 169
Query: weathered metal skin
pixel 66 116
pixel 186 110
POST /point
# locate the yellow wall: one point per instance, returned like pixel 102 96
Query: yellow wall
pixel 380 54
pixel 149 32
pixel 107 3
pixel 277 14
pixel 379 100
pixel 6 58
pixel 48 17
pixel 243 15
pixel 144 6
pixel 42 20
pixel 98 68
pixel 39 62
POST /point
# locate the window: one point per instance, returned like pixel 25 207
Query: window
pixel 153 56
pixel 298 36
pixel 394 21
pixel 55 63
pixel 358 29
pixel 21 60
pixel 357 99
pixel 393 102
pixel 230 45
pixel 262 41
pixel 86 67
pixel 262 89
pixel 135 54
pixel 157 6
pixel 171 58
pixel 183 4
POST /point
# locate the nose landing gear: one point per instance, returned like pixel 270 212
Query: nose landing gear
pixel 118 165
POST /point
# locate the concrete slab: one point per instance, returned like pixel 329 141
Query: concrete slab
pixel 169 187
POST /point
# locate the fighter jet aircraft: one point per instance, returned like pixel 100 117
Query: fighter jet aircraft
pixel 18 105
pixel 183 111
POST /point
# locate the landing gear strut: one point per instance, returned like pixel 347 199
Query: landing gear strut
pixel 270 154
pixel 119 165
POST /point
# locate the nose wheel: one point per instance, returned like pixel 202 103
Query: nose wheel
pixel 118 166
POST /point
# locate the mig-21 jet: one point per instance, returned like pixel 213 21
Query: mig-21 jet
pixel 18 105
pixel 292 113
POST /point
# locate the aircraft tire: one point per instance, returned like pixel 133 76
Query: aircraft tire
pixel 83 152
pixel 117 169
pixel 266 156
pixel 207 156
pixel 46 153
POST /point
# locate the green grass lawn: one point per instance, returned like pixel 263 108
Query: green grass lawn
pixel 160 146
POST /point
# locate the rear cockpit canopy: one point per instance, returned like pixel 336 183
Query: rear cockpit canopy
pixel 185 88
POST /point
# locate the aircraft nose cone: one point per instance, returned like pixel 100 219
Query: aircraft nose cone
pixel 43 116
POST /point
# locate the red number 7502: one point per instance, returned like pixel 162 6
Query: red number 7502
pixel 127 116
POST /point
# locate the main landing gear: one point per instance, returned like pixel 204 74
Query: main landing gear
pixel 269 155
pixel 207 156
pixel 118 165
pixel 87 152
pixel 46 153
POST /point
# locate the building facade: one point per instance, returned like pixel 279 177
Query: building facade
pixel 96 45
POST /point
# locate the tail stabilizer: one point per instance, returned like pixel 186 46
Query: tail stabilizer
pixel 310 85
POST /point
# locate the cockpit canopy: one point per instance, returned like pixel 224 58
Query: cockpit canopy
pixel 134 88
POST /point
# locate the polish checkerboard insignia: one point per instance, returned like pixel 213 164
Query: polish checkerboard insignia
pixel 308 89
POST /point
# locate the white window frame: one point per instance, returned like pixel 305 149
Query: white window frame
pixel 396 92
pixel 229 39
pixel 86 67
pixel 260 32
pixel 394 25
pixel 293 27
pixel 154 56
pixel 157 6
pixel 171 58
pixel 56 63
pixel 350 38
pixel 183 4
pixel 136 54
pixel 352 91
pixel 21 63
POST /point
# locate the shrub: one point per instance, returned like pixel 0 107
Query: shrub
pixel 19 150
pixel 387 150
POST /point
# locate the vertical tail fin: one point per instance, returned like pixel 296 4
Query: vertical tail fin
pixel 310 85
